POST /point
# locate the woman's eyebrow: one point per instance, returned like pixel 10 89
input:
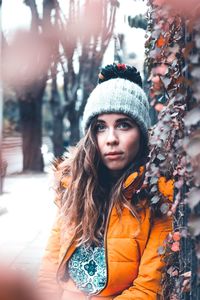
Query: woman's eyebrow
pixel 100 121
pixel 125 120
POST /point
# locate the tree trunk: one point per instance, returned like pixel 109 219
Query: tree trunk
pixel 74 125
pixel 31 127
pixel 57 137
pixel 58 115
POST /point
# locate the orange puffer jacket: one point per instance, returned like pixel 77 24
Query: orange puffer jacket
pixel 134 266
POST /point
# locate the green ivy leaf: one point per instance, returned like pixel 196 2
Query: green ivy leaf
pixel 164 208
pixel 194 224
pixel 192 117
pixel 161 250
pixel 153 180
pixel 155 199
pixel 154 188
pixel 193 197
pixel 160 156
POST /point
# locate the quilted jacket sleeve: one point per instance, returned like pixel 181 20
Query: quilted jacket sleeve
pixel 147 285
pixel 47 283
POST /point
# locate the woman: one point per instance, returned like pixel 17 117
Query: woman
pixel 105 239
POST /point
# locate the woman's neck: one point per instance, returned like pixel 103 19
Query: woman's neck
pixel 109 178
pixel 113 177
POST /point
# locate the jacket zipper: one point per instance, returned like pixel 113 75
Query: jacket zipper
pixel 88 297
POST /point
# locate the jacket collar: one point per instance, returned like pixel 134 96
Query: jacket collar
pixel 132 184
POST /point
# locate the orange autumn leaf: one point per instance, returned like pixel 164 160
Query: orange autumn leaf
pixel 130 179
pixel 166 187
pixel 141 170
pixel 160 41
pixel 65 182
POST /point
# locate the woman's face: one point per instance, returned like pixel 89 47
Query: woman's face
pixel 118 140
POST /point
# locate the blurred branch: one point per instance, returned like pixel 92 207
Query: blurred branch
pixel 35 21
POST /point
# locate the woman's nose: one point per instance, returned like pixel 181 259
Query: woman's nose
pixel 112 137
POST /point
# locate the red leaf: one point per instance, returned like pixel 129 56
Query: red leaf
pixel 160 41
pixel 175 246
pixel 159 106
pixel 176 236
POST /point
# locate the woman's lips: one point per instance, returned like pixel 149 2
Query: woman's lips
pixel 113 155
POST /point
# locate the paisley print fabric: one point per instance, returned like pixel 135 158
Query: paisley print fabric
pixel 87 268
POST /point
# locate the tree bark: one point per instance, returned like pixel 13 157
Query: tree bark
pixel 31 128
pixel 57 126
pixel 57 138
pixel 74 125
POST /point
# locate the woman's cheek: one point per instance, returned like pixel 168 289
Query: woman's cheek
pixel 100 143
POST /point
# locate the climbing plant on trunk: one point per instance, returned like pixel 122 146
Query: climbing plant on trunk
pixel 172 60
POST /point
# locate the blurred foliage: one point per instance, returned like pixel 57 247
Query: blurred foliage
pixel 138 21
pixel 11 117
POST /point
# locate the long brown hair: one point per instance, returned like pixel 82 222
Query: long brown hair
pixel 90 194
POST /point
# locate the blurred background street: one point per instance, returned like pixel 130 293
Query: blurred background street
pixel 26 215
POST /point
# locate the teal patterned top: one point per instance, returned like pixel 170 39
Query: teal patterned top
pixel 87 268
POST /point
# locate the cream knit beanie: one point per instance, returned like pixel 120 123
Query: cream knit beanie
pixel 119 95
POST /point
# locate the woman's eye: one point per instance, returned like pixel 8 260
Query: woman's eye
pixel 124 125
pixel 100 127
